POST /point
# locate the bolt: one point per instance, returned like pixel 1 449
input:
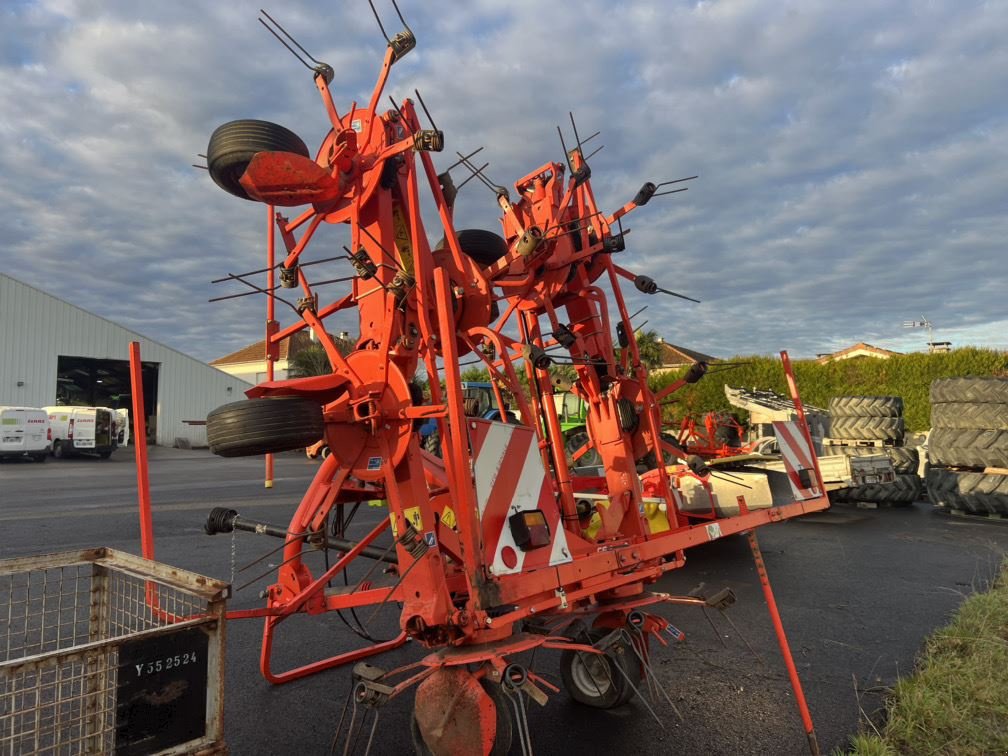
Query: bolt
pixel 489 621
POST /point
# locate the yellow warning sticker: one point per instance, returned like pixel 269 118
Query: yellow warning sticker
pixel 403 239
pixel 448 517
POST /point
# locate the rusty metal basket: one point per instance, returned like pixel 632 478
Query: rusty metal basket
pixel 105 652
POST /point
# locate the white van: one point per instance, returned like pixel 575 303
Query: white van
pixel 82 430
pixel 122 425
pixel 24 432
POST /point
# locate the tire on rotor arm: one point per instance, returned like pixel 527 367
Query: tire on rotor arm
pixel 974 492
pixel 965 447
pixel 264 426
pixel 600 681
pixel 481 246
pixel 505 724
pixel 866 406
pixel 233 145
pixel 903 491
pixel 868 428
pixel 648 460
pixel 970 389
pixel 983 416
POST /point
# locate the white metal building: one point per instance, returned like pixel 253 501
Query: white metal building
pixel 43 337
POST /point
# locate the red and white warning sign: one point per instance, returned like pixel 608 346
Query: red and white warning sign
pixel 510 479
pixel 799 460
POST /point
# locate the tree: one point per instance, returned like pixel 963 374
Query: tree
pixel 649 346
pixel 312 360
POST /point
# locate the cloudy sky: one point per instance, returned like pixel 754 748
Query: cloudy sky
pixel 852 156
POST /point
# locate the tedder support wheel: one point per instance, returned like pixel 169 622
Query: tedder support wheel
pixel 602 681
pixel 234 144
pixel 454 723
pixel 264 426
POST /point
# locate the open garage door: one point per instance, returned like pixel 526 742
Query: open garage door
pixel 95 382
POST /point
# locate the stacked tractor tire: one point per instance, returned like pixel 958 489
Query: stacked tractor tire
pixel 968 445
pixel 862 425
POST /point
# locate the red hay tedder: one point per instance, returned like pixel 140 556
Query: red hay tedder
pixel 497 548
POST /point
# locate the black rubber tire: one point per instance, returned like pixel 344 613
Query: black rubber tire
pixel 958 447
pixel 611 687
pixel 905 459
pixel 505 724
pixel 728 435
pixel 233 145
pixel 483 247
pixel 985 416
pixel 973 492
pixel 866 406
pixel 903 491
pixel 574 439
pixel 868 428
pixel 432 443
pixel 648 460
pixel 264 426
pixel 970 389
pixel 57 450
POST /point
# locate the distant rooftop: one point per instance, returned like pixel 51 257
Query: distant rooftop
pixel 861 349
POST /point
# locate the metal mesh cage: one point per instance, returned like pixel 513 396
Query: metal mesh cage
pixel 93 642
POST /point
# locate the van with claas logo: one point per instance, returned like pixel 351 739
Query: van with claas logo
pixel 24 432
pixel 82 430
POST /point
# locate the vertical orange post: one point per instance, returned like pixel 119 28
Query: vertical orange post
pixel 782 641
pixel 270 312
pixel 140 449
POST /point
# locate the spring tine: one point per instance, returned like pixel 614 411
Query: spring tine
pixel 676 181
pixel 292 52
pixel 424 106
pixel 676 294
pixel 595 152
pixel 459 187
pixel 713 626
pixel 380 26
pixel 399 13
pixel 287 34
pixel 459 162
pixel 574 126
pixel 671 191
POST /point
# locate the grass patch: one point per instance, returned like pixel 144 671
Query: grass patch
pixel 956 702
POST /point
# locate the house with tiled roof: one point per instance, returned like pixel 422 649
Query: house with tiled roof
pixel 674 357
pixel 249 363
pixel 860 349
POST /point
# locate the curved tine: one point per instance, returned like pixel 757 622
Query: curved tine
pixel 291 49
pixel 380 26
pixel 288 35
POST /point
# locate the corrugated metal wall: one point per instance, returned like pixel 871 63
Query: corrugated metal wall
pixel 35 328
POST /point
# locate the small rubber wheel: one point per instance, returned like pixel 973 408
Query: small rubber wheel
pixel 264 426
pixel 234 144
pixel 483 247
pixel 505 724
pixel 602 681
pixel 57 450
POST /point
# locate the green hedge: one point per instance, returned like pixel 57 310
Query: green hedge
pixel 906 375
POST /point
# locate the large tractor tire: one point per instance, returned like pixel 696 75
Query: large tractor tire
pixel 234 144
pixel 973 492
pixel 264 426
pixel 959 447
pixel 983 390
pixel 981 415
pixel 866 406
pixel 903 491
pixel 905 459
pixel 868 428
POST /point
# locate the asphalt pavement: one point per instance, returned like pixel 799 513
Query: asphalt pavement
pixel 858 591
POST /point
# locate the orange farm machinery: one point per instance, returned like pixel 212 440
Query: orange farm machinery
pixel 496 548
